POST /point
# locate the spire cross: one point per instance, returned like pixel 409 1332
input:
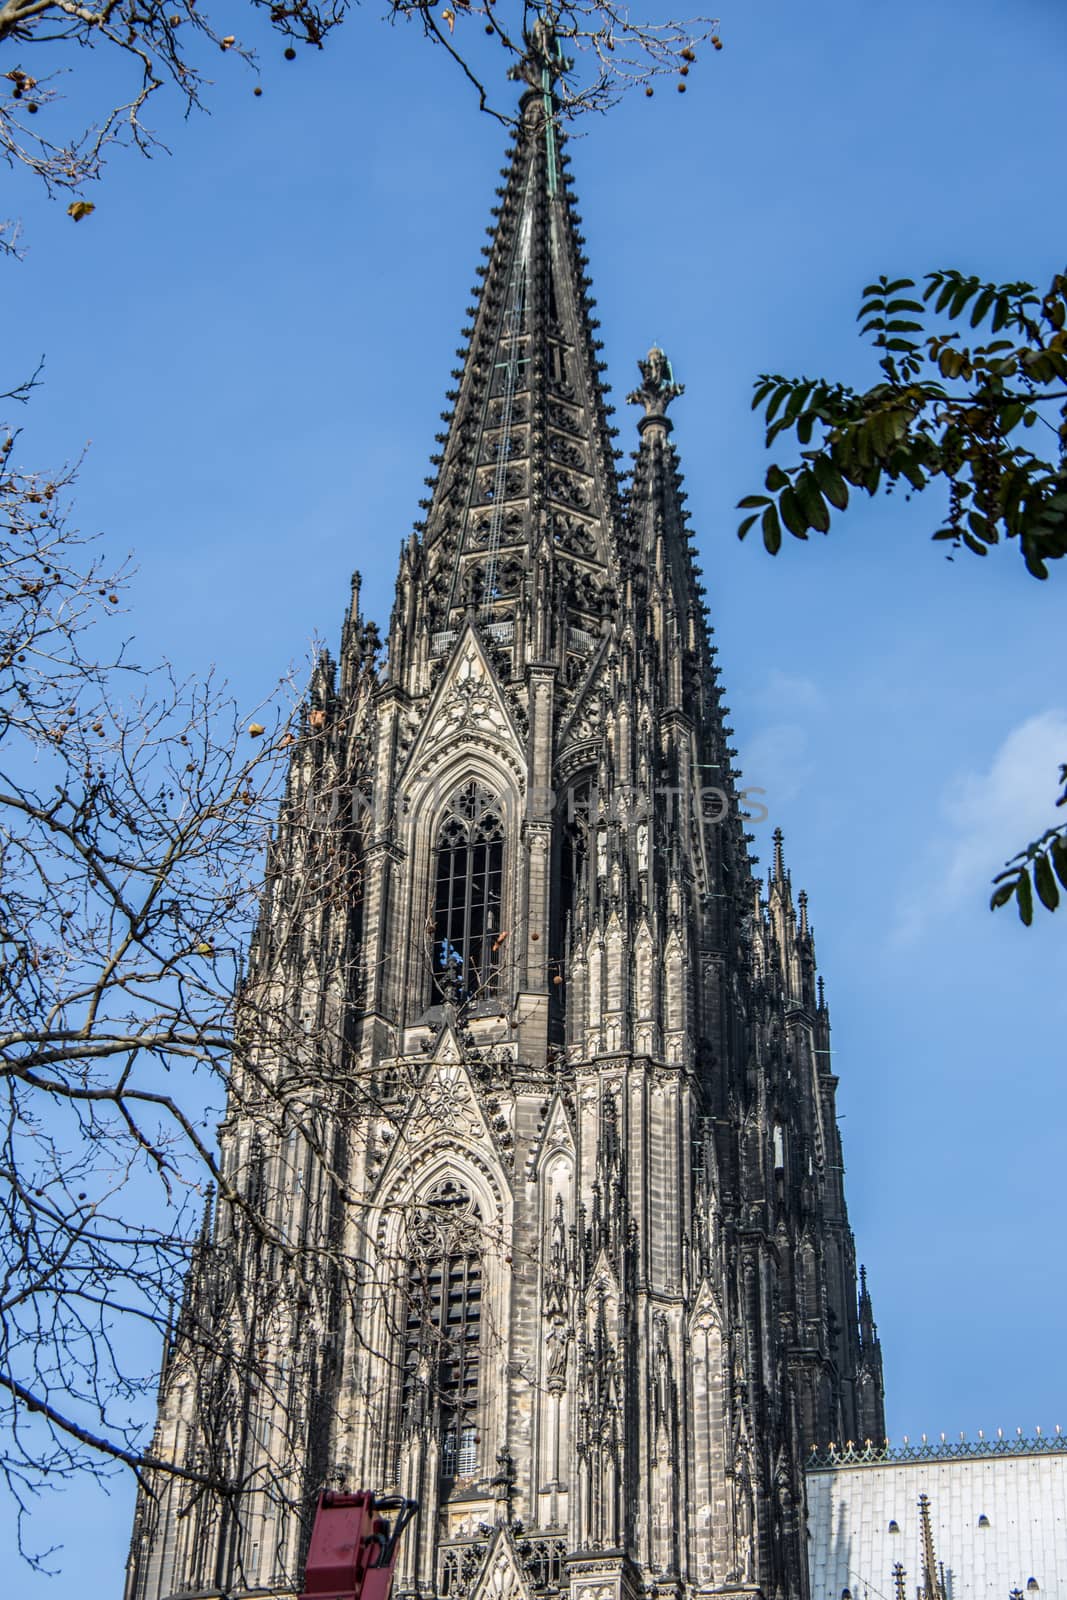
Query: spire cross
pixel 657 389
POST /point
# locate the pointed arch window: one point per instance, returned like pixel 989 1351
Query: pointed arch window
pixel 443 1327
pixel 468 894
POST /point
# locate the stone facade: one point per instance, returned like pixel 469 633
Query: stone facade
pixel 532 1199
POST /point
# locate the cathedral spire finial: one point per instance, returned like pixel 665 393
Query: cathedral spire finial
pixel 779 856
pixel 657 389
pixel 543 60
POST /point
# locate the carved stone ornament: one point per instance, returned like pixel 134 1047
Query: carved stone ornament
pixel 471 701
pixel 543 61
pixel 658 387
pixel 446 1102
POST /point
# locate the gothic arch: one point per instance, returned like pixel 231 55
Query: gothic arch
pixel 467 893
pixel 447 1156
pixel 445 1162
pixel 428 807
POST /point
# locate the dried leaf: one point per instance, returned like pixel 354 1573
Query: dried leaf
pixel 80 208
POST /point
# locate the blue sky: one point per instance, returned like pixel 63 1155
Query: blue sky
pixel 256 334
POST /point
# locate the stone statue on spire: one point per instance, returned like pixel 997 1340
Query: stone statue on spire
pixel 542 55
pixel 658 387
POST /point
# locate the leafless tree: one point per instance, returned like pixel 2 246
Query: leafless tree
pixel 156 44
pixel 133 810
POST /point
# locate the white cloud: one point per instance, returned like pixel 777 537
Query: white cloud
pixel 990 815
pixel 789 692
pixel 997 812
pixel 777 760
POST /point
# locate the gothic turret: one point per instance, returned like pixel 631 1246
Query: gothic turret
pixel 531 1202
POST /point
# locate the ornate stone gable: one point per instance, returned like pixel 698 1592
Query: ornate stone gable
pixel 583 723
pixel 503 1576
pixel 448 1113
pixel 556 1137
pixel 468 707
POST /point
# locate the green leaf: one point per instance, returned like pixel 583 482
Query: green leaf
pixel 1024 897
pixel 982 304
pixel 981 527
pixel 772 533
pixel 811 502
pixel 1047 891
pixel 831 482
pixel 797 401
pixel 776 399
pixel 747 524
pixel 963 292
pixel 903 325
pixel 1058 852
pixel 776 479
pixel 791 514
pixel 947 291
pixel 752 500
pixel 1001 896
pixel 1035 564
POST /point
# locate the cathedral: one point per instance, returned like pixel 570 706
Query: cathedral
pixel 531 1204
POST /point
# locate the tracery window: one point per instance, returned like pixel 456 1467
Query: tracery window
pixel 468 894
pixel 443 1326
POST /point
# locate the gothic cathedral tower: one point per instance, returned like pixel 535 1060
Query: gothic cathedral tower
pixel 532 1203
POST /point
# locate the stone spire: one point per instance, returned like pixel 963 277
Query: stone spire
pixel 869 1379
pixel 526 465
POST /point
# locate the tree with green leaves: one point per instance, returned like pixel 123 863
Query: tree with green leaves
pixel 988 420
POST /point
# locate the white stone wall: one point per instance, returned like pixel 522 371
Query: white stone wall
pixel 851 1545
